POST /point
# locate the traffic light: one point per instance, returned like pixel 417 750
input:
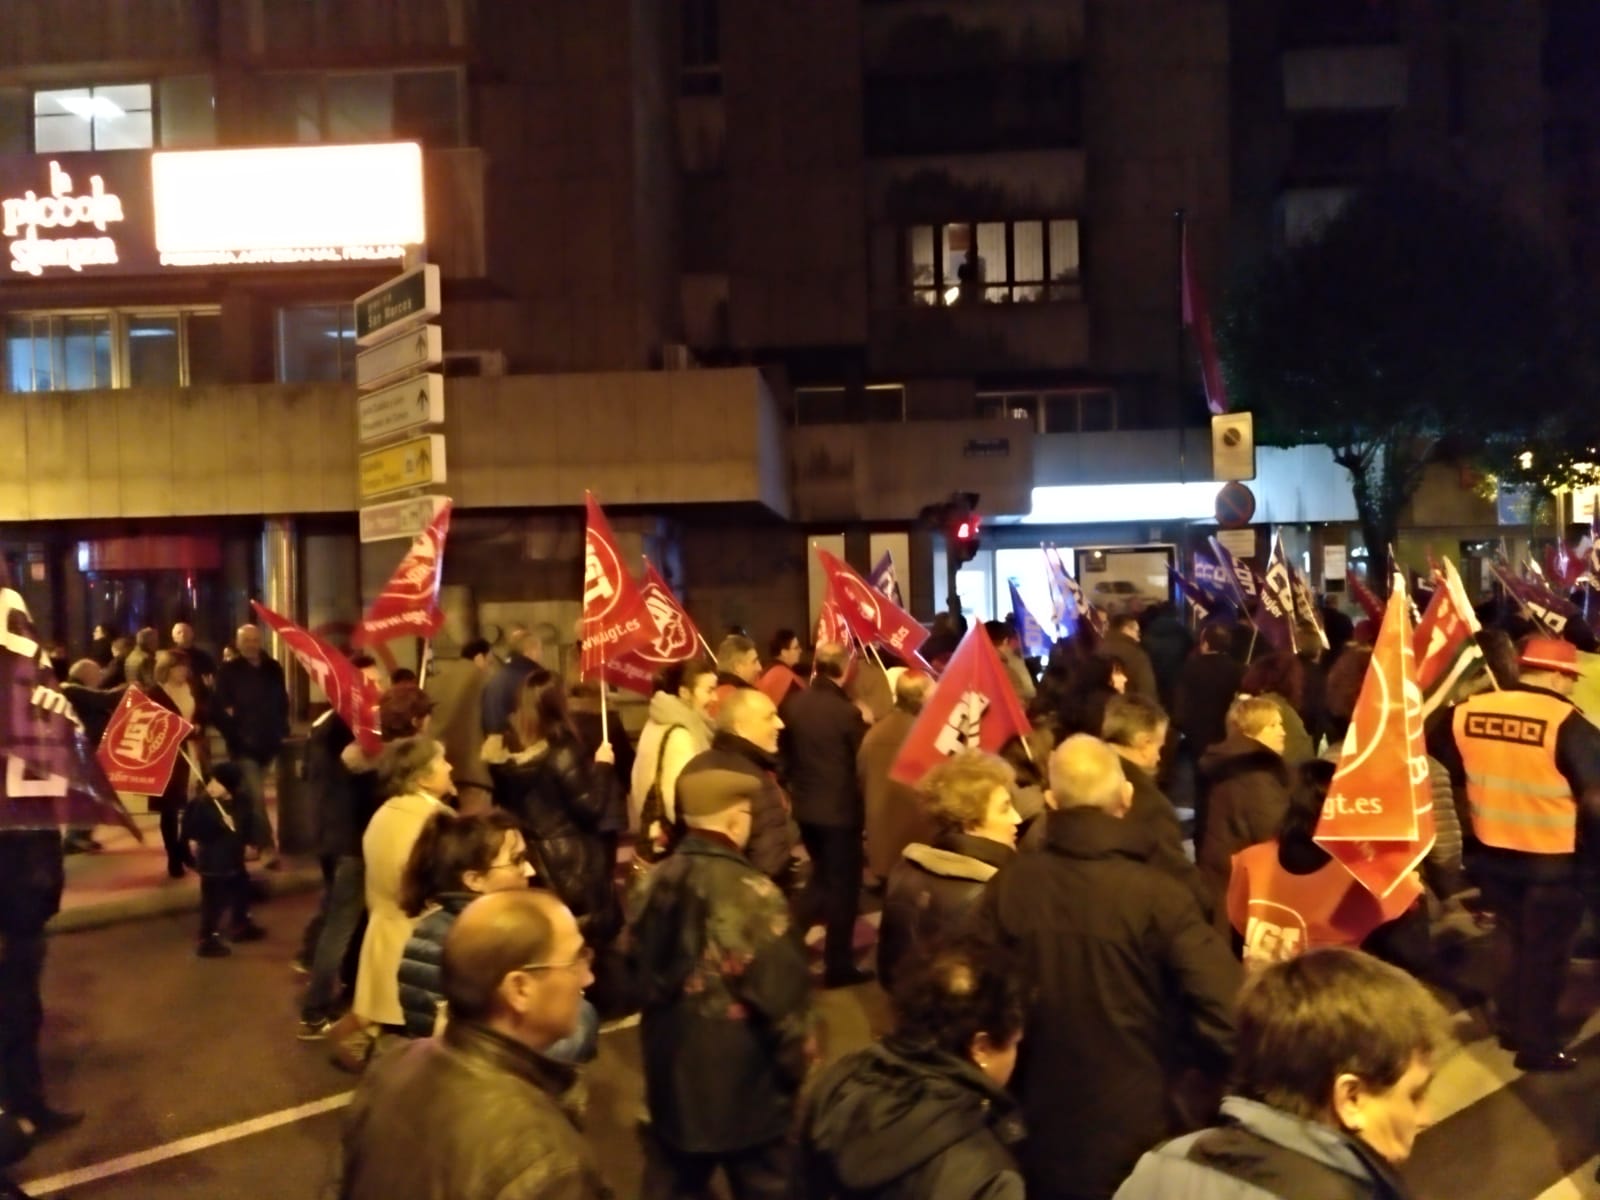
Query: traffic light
pixel 963 527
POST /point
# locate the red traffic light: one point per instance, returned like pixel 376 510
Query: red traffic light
pixel 967 528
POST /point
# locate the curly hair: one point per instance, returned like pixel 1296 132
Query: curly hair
pixel 956 793
pixel 947 996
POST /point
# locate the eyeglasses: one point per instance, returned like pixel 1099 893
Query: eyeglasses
pixel 585 959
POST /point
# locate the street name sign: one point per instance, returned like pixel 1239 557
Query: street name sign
pixel 407 299
pixel 414 463
pixel 414 350
pixel 398 518
pixel 400 407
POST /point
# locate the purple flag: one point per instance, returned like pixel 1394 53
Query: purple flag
pixel 51 775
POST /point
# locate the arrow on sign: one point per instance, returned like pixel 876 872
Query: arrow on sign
pixel 422 399
pixel 424 461
pixel 422 344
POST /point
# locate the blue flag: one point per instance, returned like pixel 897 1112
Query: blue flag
pixel 1189 592
pixel 1035 642
pixel 883 578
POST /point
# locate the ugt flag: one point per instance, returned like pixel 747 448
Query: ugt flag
pixel 973 707
pixel 677 639
pixel 871 615
pixel 141 744
pixel 616 620
pixel 1445 649
pixel 350 693
pixel 1035 643
pixel 409 602
pixel 883 578
pixel 51 775
pixel 1378 818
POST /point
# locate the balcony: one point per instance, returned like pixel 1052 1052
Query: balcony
pixel 935 36
pixel 975 110
pixel 979 338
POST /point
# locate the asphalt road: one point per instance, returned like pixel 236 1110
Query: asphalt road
pixel 164 1050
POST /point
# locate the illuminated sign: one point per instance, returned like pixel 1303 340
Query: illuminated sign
pixel 291 205
pixel 73 213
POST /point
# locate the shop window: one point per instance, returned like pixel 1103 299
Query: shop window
pixel 109 117
pixel 72 351
pixel 305 107
pixel 993 262
pixel 317 344
pixel 187 114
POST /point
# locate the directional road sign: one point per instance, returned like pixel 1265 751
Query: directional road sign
pixel 414 350
pixel 398 518
pixel 406 300
pixel 415 463
pixel 403 406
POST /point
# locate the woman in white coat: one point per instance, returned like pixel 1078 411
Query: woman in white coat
pixel 413 779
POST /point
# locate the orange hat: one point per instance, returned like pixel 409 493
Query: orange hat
pixel 1549 654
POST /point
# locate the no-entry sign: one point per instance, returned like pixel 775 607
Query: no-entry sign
pixel 1236 505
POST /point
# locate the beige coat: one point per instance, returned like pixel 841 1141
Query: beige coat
pixel 386 847
pixel 895 817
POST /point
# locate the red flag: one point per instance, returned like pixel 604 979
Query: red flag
pixel 1197 320
pixel 1369 603
pixel 973 707
pixel 350 693
pixel 1444 646
pixel 409 602
pixel 831 625
pixel 869 614
pixel 1378 818
pixel 676 640
pixel 141 744
pixel 616 620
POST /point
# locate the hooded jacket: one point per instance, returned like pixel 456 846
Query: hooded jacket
pixel 1120 959
pixel 931 892
pixel 907 1121
pixel 673 733
pixel 1262 1153
pixel 1247 794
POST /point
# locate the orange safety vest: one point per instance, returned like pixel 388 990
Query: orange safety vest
pixel 1282 915
pixel 1519 799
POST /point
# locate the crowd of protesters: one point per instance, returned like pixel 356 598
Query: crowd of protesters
pixel 1086 1002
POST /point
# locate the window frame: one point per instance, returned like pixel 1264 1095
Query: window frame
pixel 153 83
pixel 938 292
pixel 322 78
pixel 118 319
pixel 346 341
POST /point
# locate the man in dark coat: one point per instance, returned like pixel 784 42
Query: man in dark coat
pixel 1206 687
pixel 726 1028
pixel 1121 644
pixel 748 729
pixel 894 812
pixel 822 737
pixel 1121 959
pixel 251 707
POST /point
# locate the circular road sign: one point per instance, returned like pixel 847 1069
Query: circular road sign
pixel 1236 505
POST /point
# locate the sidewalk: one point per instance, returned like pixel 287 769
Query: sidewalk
pixel 128 881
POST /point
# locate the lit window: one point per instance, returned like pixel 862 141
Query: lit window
pixel 993 262
pixel 317 344
pixel 113 117
pixel 73 351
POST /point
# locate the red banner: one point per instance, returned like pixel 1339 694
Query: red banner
pixel 973 707
pixel 408 606
pixel 1369 603
pixel 1378 818
pixel 616 620
pixel 350 693
pixel 141 744
pixel 867 612
pixel 1444 646
pixel 1197 320
pixel 677 639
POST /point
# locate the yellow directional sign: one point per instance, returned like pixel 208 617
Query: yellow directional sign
pixel 417 462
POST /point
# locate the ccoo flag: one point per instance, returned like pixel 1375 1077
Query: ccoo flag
pixel 973 707
pixel 409 602
pixel 677 639
pixel 1035 642
pixel 1275 590
pixel 883 578
pixel 350 693
pixel 1378 818
pixel 616 620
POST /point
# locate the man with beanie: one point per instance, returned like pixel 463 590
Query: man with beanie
pixel 727 995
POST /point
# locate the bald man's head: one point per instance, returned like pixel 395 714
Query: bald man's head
pixel 831 660
pixel 912 689
pixel 248 641
pixel 1086 773
pixel 515 961
pixel 749 713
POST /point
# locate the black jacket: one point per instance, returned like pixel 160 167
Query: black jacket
pixel 1121 959
pixel 560 795
pixel 32 874
pixel 250 705
pixel 470 1113
pixel 176 794
pixel 94 707
pixel 1206 688
pixel 219 850
pixel 1246 789
pixel 931 893
pixel 822 731
pixel 905 1121
pixel 328 781
pixel 726 993
pixel 771 837
pixel 1153 811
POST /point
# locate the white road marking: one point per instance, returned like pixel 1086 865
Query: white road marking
pixel 189 1145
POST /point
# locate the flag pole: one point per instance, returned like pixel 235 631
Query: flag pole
pixel 605 717
pixel 1180 219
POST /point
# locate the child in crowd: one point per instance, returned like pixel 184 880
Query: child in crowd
pixel 217 823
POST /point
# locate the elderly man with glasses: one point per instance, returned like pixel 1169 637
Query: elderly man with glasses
pixel 481 1110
